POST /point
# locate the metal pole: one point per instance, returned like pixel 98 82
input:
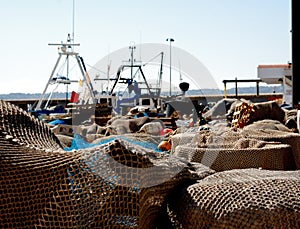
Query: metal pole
pixel 131 67
pixel 295 55
pixel 67 79
pixel 171 40
pixel 170 70
pixel 225 92
pixel 38 106
pixel 236 88
pixel 73 23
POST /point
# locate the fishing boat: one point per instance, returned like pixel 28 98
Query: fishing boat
pixel 60 75
pixel 128 92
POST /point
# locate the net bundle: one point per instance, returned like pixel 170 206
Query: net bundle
pixel 284 137
pixel 117 184
pixel 123 182
pixel 246 112
pixel 264 144
pixel 244 198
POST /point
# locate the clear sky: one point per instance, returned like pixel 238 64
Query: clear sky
pixel 230 37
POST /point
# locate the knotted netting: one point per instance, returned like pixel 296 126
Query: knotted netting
pixel 292 139
pixel 117 184
pixel 249 198
pixel 121 184
pixel 226 148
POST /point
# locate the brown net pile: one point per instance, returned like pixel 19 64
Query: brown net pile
pixel 268 124
pixel 115 185
pixel 19 128
pixel 121 184
pixel 209 137
pixel 244 153
pixel 283 137
pixel 246 113
pixel 128 125
pixel 266 144
pixel 241 115
pixel 249 198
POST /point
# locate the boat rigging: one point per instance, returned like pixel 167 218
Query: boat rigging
pixel 132 83
pixel 66 50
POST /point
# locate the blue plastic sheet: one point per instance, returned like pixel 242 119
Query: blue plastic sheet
pixel 79 143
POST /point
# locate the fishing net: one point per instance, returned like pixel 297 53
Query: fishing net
pixel 249 198
pixel 125 125
pixel 268 124
pixel 246 113
pixel 292 139
pixel 260 155
pixel 226 148
pixel 19 128
pixel 123 181
pixel 116 184
pixel 211 137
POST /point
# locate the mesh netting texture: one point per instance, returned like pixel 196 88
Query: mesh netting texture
pixel 252 147
pixel 122 181
pixel 249 198
pixel 114 185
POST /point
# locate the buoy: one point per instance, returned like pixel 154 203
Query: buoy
pixel 164 145
pixel 166 131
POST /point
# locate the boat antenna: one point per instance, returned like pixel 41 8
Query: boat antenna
pixel 73 23
pixel 132 48
pixel 180 75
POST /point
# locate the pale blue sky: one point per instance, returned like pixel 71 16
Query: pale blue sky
pixel 230 37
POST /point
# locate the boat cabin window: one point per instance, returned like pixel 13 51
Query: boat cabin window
pixel 146 102
pixel 105 101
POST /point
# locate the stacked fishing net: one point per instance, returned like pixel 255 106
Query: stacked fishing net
pixel 281 137
pixel 122 181
pixel 246 143
pixel 252 187
pixel 117 184
pixel 245 112
pixel 33 170
pixel 248 198
pixel 228 149
pixel 19 128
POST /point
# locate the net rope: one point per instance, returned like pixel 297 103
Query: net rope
pixel 118 183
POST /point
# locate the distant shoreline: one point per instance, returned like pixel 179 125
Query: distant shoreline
pixel 241 90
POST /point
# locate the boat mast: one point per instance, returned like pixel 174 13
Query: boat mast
pixel 73 23
pixel 63 52
pixel 67 49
